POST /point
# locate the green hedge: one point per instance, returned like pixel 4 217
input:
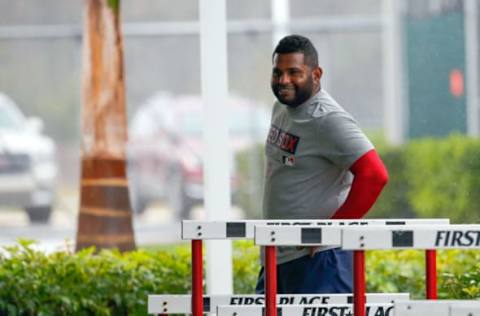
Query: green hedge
pixel 432 178
pixel 404 271
pixel 107 283
pixel 428 178
pixel 112 283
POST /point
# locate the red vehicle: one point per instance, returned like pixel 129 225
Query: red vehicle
pixel 165 148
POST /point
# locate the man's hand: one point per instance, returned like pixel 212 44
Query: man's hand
pixel 312 251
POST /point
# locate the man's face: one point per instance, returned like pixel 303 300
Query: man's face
pixel 293 82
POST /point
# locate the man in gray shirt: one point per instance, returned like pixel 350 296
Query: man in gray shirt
pixel 320 165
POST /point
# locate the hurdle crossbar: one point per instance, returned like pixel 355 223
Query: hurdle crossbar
pixel 412 237
pixel 425 237
pixel 173 304
pixel 244 229
pixel 429 238
pixel 385 309
pixel 437 308
pixel 196 231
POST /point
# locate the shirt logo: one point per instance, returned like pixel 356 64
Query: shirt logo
pixel 282 139
pixel 289 160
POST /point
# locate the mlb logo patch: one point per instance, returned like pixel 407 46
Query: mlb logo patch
pixel 289 160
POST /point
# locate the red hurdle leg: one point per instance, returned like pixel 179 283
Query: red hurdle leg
pixel 359 283
pixel 270 281
pixel 431 273
pixel 197 278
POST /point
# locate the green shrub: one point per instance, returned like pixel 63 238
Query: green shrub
pixel 404 271
pixel 432 178
pixel 246 265
pixel 395 271
pixel 108 283
pixel 112 283
pixel 444 178
pixel 460 274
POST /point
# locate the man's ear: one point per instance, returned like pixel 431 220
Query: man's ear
pixel 317 74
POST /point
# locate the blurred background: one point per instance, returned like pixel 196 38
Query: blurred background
pixel 406 70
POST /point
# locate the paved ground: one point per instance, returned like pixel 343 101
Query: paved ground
pixel 156 226
pixel 152 227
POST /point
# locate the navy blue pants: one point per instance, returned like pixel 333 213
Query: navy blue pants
pixel 329 271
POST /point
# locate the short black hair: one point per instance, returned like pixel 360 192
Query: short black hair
pixel 298 44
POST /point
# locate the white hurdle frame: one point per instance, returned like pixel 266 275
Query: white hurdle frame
pixel 360 239
pixel 197 231
pixel 385 309
pixel 437 308
pixel 181 304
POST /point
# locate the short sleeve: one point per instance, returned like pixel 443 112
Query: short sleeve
pixel 341 140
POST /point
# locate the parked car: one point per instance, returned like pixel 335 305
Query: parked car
pixel 165 148
pixel 28 165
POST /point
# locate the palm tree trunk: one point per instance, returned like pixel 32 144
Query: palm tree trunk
pixel 105 217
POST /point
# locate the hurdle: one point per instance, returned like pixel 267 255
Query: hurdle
pixel 244 229
pixel 197 231
pixel 181 304
pixel 437 308
pixel 414 237
pixel 306 310
pixel 360 239
pixel 272 236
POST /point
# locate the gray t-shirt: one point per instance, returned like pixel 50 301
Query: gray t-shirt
pixel 309 150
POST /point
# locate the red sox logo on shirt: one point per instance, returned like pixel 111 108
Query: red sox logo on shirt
pixel 283 140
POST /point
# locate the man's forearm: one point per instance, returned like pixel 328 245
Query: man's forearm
pixel 370 176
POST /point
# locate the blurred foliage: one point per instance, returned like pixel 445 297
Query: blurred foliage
pixel 85 283
pixel 445 178
pixel 251 167
pixel 427 178
pixel 432 178
pixel 246 266
pixel 114 4
pixel 104 283
pixel 459 274
pixel 404 271
pixel 114 283
pixel 395 271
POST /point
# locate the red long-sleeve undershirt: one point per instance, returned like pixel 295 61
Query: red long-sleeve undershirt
pixel 370 176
